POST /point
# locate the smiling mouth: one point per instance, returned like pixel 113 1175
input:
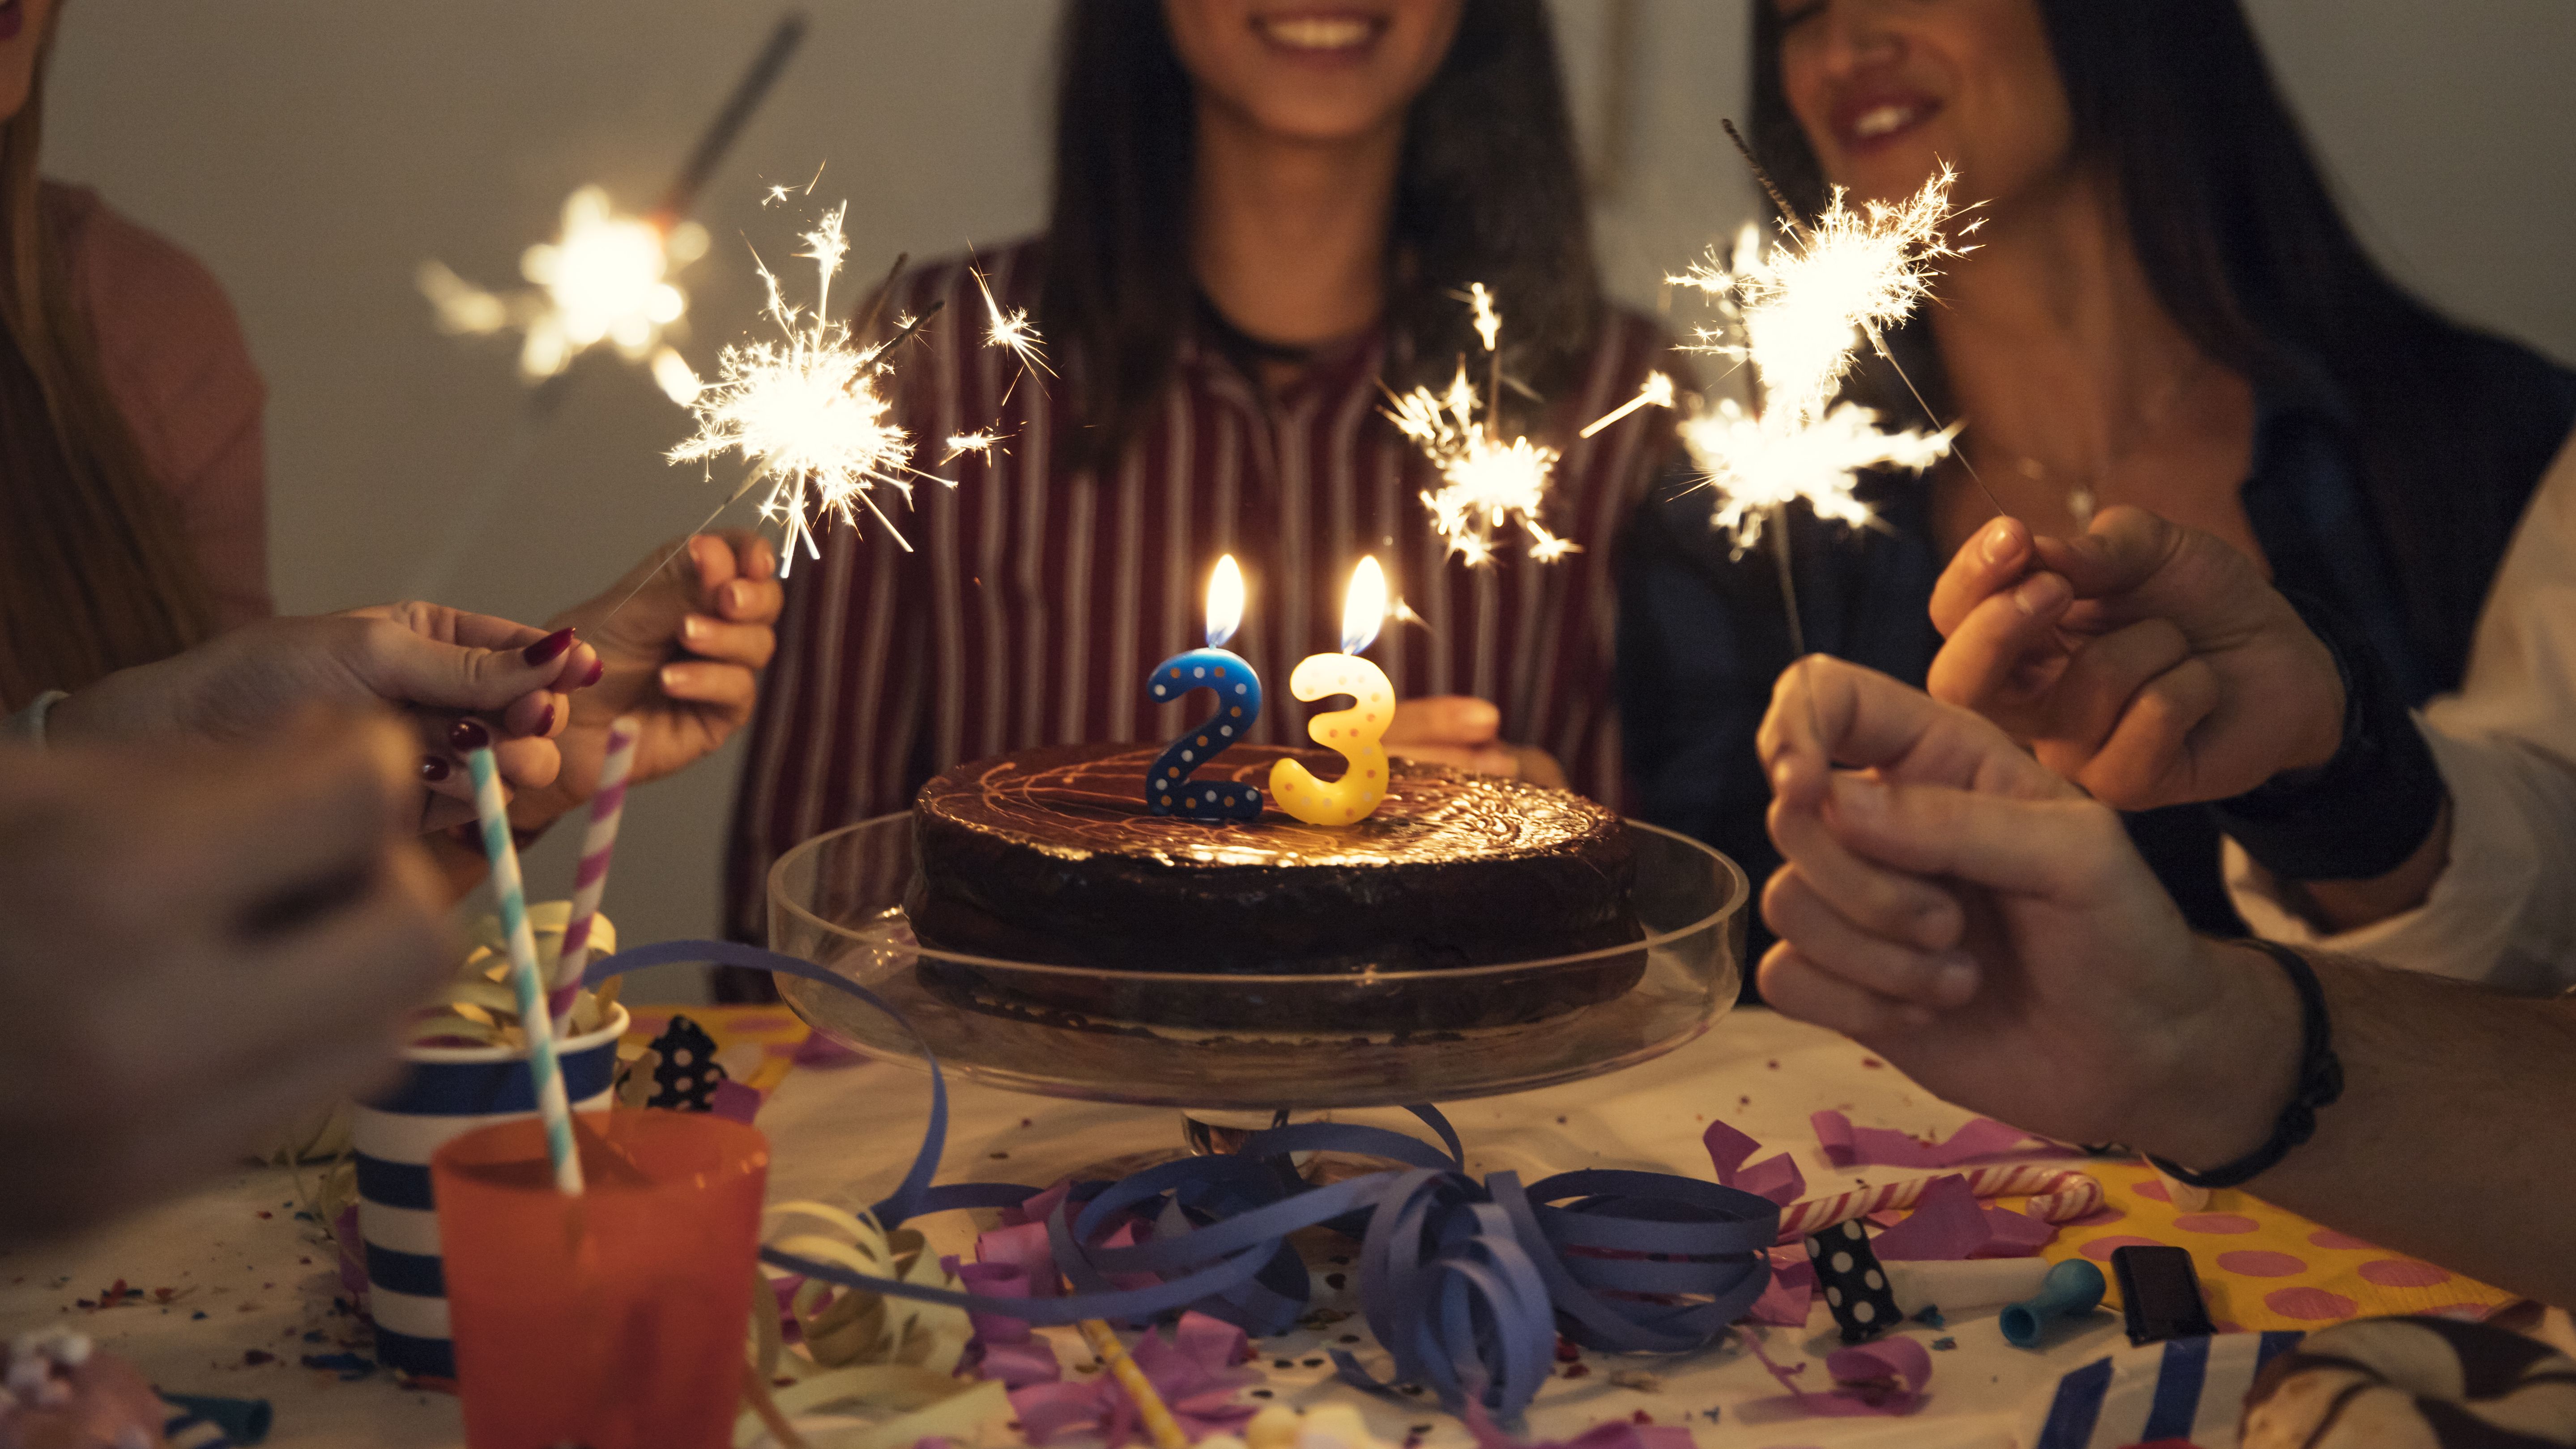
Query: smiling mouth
pixel 1882 121
pixel 1314 33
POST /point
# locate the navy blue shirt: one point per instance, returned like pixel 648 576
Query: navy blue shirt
pixel 1702 634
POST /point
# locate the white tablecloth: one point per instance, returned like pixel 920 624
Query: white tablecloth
pixel 248 1278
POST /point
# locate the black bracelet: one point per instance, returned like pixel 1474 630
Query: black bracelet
pixel 2362 813
pixel 2320 1082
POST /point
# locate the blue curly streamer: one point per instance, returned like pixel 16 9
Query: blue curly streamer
pixel 1465 1283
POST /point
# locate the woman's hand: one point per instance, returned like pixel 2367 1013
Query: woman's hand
pixel 1459 730
pixel 460 679
pixel 2150 663
pixel 203 941
pixel 1967 914
pixel 683 655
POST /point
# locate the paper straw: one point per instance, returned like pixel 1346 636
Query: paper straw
pixel 1165 1430
pixel 2056 1194
pixel 533 1020
pixel 590 879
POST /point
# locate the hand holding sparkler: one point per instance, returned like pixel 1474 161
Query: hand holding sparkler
pixel 680 648
pixel 443 668
pixel 2150 663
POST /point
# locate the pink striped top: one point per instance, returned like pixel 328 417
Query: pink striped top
pixel 1031 603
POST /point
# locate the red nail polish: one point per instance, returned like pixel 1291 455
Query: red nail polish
pixel 550 647
pixel 469 734
pixel 598 670
pixel 433 769
pixel 545 721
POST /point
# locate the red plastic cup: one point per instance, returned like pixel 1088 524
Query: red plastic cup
pixel 614 1320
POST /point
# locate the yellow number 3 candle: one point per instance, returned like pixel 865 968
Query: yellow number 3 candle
pixel 1353 733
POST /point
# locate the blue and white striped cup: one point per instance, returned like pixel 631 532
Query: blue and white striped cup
pixel 449 1091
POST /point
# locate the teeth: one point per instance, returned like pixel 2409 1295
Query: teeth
pixel 1881 120
pixel 1317 32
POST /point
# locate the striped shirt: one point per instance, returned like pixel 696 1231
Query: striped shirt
pixel 1030 602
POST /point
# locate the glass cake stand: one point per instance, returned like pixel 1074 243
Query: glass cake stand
pixel 1368 1039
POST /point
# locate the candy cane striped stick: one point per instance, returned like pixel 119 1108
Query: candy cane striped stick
pixel 552 1106
pixel 2056 1194
pixel 590 879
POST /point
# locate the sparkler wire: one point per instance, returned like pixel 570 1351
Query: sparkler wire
pixel 726 128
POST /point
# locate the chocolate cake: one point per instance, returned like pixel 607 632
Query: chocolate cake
pixel 1049 856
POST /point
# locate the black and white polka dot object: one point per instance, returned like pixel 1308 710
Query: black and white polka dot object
pixel 1854 1286
pixel 685 1077
pixel 2428 1382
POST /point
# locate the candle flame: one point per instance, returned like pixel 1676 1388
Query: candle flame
pixel 1224 602
pixel 1363 606
pixel 604 280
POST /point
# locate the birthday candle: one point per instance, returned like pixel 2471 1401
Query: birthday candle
pixel 1353 733
pixel 1168 787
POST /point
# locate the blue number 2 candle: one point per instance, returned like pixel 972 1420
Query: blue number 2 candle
pixel 1168 787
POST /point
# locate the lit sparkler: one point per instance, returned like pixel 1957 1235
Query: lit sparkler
pixel 606 279
pixel 1011 330
pixel 807 410
pixel 1799 313
pixel 1487 482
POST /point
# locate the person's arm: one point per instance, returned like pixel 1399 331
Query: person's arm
pixel 460 679
pixel 1967 915
pixel 2154 665
pixel 175 361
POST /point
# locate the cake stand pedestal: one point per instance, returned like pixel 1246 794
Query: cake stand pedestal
pixel 1299 1043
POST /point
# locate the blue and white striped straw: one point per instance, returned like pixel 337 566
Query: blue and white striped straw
pixel 552 1105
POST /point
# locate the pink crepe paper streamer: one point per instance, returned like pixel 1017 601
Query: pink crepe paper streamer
pixel 784 1290
pixel 1882 1379
pixel 590 878
pixel 1849 1146
pixel 1194 1372
pixel 1609 1434
pixel 1005 1348
pixel 735 1102
pixel 1792 1292
pixel 1776 1178
pixel 2057 1195
pixel 1949 1224
pixel 1025 1248
pixel 1037 1209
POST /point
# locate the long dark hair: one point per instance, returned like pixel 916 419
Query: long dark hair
pixel 95 571
pixel 2241 238
pixel 1489 191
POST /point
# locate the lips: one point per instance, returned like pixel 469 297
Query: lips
pixel 1314 32
pixel 1869 121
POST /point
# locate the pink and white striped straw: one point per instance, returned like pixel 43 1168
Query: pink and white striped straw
pixel 2057 1195
pixel 590 878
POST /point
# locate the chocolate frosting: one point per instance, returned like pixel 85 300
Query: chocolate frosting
pixel 1049 856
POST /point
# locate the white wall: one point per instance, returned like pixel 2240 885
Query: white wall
pixel 314 151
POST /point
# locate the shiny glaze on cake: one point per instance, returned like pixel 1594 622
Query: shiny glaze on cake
pixel 1049 856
